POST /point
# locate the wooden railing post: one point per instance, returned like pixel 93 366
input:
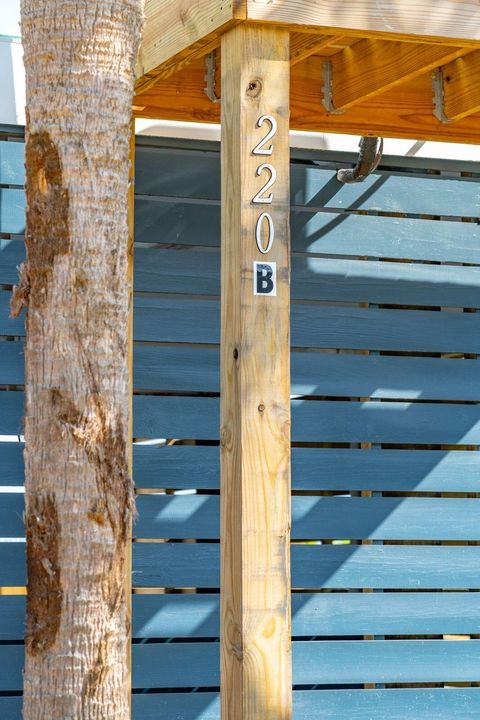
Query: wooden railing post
pixel 255 376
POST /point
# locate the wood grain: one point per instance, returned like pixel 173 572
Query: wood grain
pixel 255 411
pixel 373 66
pixel 408 114
pixel 177 31
pixel 425 18
pixel 461 87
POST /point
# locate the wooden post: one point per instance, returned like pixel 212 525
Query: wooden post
pixel 255 376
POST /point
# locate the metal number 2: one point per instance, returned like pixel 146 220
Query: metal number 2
pixel 259 197
pixel 259 149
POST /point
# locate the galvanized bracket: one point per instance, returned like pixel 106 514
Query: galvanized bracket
pixel 327 100
pixel 210 66
pixel 438 96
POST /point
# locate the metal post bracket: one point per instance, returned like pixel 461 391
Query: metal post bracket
pixel 327 91
pixel 210 66
pixel 439 96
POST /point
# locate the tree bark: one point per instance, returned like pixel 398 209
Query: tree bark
pixel 79 59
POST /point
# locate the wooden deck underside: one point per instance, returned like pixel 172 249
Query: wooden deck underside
pixel 381 64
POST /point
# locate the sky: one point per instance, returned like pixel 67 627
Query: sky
pixel 9 17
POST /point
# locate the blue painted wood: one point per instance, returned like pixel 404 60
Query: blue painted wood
pixel 176 706
pixel 399 704
pixel 420 704
pixel 318 566
pixel 181 223
pixel 326 374
pixel 11 707
pixel 179 320
pixel 429 195
pixel 312 421
pixel 313 278
pixel 379 376
pixel 12 211
pixel 318 421
pixel 11 364
pixel 168 319
pixel 423 704
pixel 385 613
pixel 385 661
pixel 12 566
pixel 11 664
pixel 390 237
pixel 319 469
pixel 11 515
pixel 11 464
pixel 12 169
pixel 312 231
pixel 327 518
pixel 378 422
pixel 163 171
pixel 313 614
pixel 324 662
pixel 172 467
pixel 12 254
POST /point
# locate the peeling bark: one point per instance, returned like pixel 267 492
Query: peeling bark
pixel 79 59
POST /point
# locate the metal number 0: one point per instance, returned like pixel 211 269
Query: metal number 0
pixel 271 233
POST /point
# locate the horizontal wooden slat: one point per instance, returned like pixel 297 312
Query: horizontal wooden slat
pixel 422 704
pixel 324 614
pixel 319 232
pixel 328 518
pixel 319 469
pixel 165 171
pixel 11 464
pixel 324 421
pixel 322 662
pixel 157 616
pixel 197 369
pixel 177 320
pixel 11 515
pixel 318 566
pixel 313 566
pixel 169 271
pixel 181 174
pixel 392 193
pixel 12 169
pixel 12 211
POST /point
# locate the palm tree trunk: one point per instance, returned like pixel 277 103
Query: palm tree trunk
pixel 79 59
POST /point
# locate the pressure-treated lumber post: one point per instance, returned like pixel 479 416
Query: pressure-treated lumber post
pixel 255 376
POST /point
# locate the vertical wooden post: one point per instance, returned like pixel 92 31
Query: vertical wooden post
pixel 255 376
pixel 129 279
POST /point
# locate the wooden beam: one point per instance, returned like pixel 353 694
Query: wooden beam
pixel 461 86
pixel 405 114
pixel 372 66
pixel 255 387
pixel 446 19
pixel 176 33
pixel 302 45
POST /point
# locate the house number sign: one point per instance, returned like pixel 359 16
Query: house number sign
pixel 265 272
